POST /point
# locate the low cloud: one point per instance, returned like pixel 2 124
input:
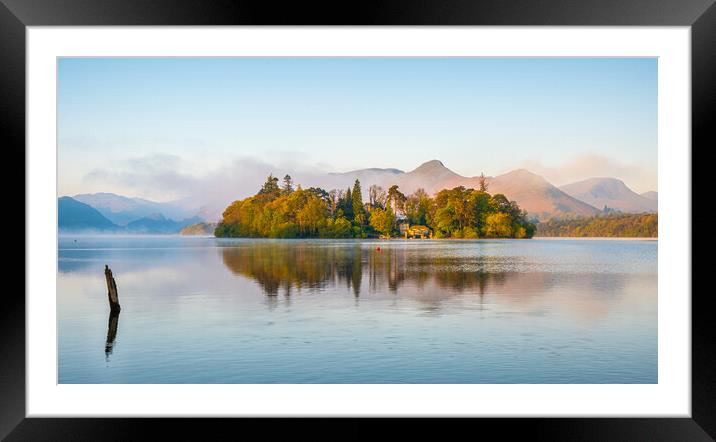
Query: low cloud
pixel 159 177
pixel 163 177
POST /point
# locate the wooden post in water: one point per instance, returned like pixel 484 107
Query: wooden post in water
pixel 111 290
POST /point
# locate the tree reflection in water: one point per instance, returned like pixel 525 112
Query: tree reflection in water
pixel 288 266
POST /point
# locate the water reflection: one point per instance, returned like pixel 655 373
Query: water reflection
pixel 111 332
pixel 415 312
pixel 285 267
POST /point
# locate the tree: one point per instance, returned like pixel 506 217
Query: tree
pixel 311 217
pixel 498 225
pixel 417 207
pixel 453 213
pixel 270 189
pixel 334 198
pixel 480 205
pixel 347 205
pixel 396 198
pixel 357 203
pixel 320 193
pixel 482 180
pixel 287 184
pixel 341 228
pixel 376 196
pixel 445 221
pixel 500 203
pixel 382 220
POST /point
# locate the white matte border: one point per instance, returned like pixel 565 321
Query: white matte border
pixel 670 397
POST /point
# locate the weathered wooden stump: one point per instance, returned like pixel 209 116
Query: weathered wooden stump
pixel 111 290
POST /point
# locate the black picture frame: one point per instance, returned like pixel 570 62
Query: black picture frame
pixel 16 15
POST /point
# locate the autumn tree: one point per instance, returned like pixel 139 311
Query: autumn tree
pixel 292 212
pixel 498 225
pixel 382 220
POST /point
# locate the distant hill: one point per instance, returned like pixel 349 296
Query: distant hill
pixel 158 224
pixel 123 210
pixel 75 216
pixel 430 176
pixel 532 192
pixel 654 196
pixel 537 196
pixel 612 193
pixel 373 172
pixel 200 229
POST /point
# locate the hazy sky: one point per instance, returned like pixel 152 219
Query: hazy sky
pixel 163 127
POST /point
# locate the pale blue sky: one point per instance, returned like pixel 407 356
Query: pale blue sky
pixel 560 117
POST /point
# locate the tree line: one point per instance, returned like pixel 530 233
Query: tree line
pixel 283 210
pixel 624 225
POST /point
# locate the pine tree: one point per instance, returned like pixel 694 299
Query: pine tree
pixel 357 202
pixel 348 205
pixel 270 189
pixel 287 185
pixel 483 182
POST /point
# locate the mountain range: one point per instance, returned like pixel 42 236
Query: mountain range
pixel 532 192
pixel 76 216
pixel 541 199
pixel 611 193
pixel 123 210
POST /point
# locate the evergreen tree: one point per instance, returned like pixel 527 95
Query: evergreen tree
pixel 348 205
pixel 287 185
pixel 483 182
pixel 357 203
pixel 396 199
pixel 270 189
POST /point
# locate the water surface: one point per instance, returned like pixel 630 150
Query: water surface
pixel 207 310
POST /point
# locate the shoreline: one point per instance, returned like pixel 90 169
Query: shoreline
pixel 169 235
pixel 615 238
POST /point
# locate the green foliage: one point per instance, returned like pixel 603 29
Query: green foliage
pixel 383 220
pixel 347 205
pixel 622 225
pixel 417 207
pixel 396 198
pixel 270 190
pixel 498 225
pixel 357 204
pixel 286 212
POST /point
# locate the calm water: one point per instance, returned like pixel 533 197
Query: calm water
pixel 206 310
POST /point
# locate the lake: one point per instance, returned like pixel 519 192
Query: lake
pixel 210 310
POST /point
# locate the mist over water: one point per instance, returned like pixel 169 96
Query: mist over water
pixel 207 310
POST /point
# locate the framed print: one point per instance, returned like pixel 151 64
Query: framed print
pixel 436 220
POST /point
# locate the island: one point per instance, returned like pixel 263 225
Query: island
pixel 288 211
